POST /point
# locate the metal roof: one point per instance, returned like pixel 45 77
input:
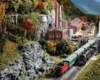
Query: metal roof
pixel 69 58
pixel 76 24
pixel 73 20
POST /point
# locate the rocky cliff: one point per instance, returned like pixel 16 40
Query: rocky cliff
pixel 34 63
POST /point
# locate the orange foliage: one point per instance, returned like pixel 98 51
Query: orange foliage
pixel 68 11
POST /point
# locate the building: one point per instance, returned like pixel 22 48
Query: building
pixel 76 24
pixel 84 19
pixel 60 30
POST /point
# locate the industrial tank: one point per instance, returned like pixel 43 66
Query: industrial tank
pixel 70 33
pixel 42 18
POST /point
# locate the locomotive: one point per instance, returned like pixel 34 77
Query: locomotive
pixel 80 56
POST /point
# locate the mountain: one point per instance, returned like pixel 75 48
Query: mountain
pixel 88 6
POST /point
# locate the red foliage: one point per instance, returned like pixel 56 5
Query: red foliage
pixel 40 5
pixel 28 25
pixel 3 1
pixel 64 4
pixel 55 2
pixel 3 26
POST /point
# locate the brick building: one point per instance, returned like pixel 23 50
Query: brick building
pixel 76 24
pixel 60 31
pixel 84 19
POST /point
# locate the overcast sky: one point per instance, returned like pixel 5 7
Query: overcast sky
pixel 88 6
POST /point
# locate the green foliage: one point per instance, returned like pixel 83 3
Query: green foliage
pixel 22 9
pixel 20 20
pixel 16 6
pixel 3 39
pixel 32 34
pixel 12 4
pixel 43 43
pixel 8 20
pixel 76 47
pixel 64 47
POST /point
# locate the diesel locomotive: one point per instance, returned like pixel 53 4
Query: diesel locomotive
pixel 80 56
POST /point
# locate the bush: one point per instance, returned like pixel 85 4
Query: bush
pixel 22 9
pixel 64 47
pixel 32 34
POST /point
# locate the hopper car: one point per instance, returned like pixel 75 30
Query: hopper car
pixel 82 54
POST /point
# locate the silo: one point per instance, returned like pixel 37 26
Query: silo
pixel 70 33
pixel 42 18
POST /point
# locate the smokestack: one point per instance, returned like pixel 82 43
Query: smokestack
pixel 56 16
pixel 60 17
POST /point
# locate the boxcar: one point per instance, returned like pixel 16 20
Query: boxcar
pixel 71 59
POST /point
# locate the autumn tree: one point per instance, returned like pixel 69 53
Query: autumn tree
pixel 2 12
pixel 28 25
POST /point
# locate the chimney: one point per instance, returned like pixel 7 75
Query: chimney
pixel 60 17
pixel 56 16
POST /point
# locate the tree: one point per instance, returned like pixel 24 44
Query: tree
pixel 3 39
pixel 32 34
pixel 8 21
pixel 64 47
pixel 2 12
pixel 22 32
pixel 28 25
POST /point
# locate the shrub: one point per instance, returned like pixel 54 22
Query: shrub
pixel 22 9
pixel 64 47
pixel 32 34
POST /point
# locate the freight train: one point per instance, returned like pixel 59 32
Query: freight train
pixel 80 56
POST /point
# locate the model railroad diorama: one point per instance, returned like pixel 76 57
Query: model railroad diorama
pixel 41 38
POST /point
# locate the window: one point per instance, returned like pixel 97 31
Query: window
pixel 53 36
pixel 59 35
pixel 50 35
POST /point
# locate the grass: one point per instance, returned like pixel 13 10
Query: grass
pixel 92 29
pixel 69 19
pixel 81 31
pixel 91 72
pixel 11 53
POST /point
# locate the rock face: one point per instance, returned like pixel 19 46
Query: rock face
pixel 34 63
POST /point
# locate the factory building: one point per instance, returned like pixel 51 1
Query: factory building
pixel 60 30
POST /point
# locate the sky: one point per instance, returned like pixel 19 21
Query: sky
pixel 88 6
